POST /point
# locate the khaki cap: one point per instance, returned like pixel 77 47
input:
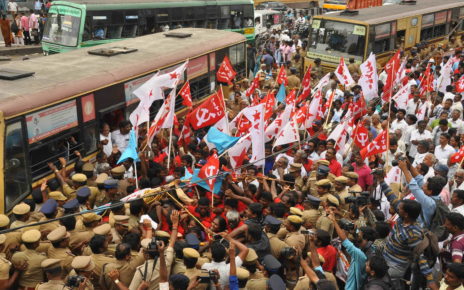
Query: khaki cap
pixel 295 167
pixel 342 179
pixel 323 162
pixel 118 170
pixel 21 208
pixel 251 256
pixel 57 195
pixel 332 199
pixel 190 253
pixel 242 274
pixel 121 220
pixel 90 217
pixel 79 177
pixel 101 178
pixel 162 234
pixel 50 263
pixel 296 211
pixel 323 182
pixel 88 167
pixel 351 174
pixel 58 234
pixel 2 239
pixel 83 263
pixel 31 236
pixel 4 220
pixel 295 219
pixel 102 230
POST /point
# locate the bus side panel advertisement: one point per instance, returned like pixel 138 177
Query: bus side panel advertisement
pixel 197 66
pixel 88 108
pixel 323 57
pixel 131 86
pixel 51 121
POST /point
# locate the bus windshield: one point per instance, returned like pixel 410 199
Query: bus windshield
pixel 338 38
pixel 63 26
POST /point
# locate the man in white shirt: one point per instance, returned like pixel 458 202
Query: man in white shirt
pixel 422 150
pixel 457 105
pixel 457 201
pixel 456 121
pixel 417 135
pixel 414 103
pixel 399 123
pixel 443 151
pixel 338 94
pixel 438 130
pixel 105 139
pixel 120 137
pixel 391 154
pixel 449 93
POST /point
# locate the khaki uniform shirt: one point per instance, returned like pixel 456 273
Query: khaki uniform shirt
pixel 296 239
pixel 100 260
pixel 256 275
pixel 126 272
pixel 117 239
pixel 324 223
pixel 344 194
pixel 12 238
pixel 178 267
pixel 354 68
pixel 133 222
pixel 293 82
pixel 356 188
pixel 257 284
pixel 5 266
pixel 310 217
pixel 152 275
pixel 304 282
pixel 64 254
pixel 16 224
pixel 33 273
pixel 48 227
pixel 299 183
pixel 193 273
pixel 316 72
pixel 52 285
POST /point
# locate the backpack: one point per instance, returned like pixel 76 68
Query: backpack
pixel 428 247
pixel 438 220
pixel 14 27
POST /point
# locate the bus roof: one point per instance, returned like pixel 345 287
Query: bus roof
pixel 65 75
pixel 387 13
pixel 144 4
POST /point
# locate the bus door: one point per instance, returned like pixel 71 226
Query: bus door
pixel 412 31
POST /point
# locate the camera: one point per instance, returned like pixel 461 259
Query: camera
pixel 213 276
pixel 360 200
pixel 288 253
pixel 74 281
pixel 346 225
pixel 395 162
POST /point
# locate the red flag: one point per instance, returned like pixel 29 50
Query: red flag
pixel 254 85
pixel 360 136
pixel 186 94
pixel 458 156
pixel 359 108
pixel 243 125
pixel 185 135
pixel 226 72
pixel 210 169
pixel 305 85
pixel 282 76
pixel 291 98
pixel 301 114
pixel 378 145
pixel 343 74
pixel 208 113
pixel 269 103
pixel 460 85
pixel 391 69
pixel 426 81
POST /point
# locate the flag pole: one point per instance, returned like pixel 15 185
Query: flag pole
pixel 328 110
pixel 135 172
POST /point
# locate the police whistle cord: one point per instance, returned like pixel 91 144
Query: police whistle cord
pixel 119 203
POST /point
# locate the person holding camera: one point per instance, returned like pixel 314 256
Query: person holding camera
pixel 53 271
pixel 82 273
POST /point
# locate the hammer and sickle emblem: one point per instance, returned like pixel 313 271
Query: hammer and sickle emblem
pixel 362 138
pixel 203 115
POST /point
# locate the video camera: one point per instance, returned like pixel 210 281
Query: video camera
pixel 74 281
pixel 346 225
pixel 360 200
pixel 400 158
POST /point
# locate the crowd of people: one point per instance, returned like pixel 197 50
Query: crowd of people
pixel 316 215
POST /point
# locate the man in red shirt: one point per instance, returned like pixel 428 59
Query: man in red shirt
pixel 365 179
pixel 334 165
pixel 326 250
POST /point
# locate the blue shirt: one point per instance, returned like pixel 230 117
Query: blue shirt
pixel 357 270
pixel 233 283
pixel 427 202
pixel 268 59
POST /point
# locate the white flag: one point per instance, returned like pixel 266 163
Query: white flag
pixel 343 74
pixel 256 116
pixel 289 134
pixel 322 83
pixel 238 152
pixel 401 97
pixel 276 126
pixel 445 78
pixel 394 175
pixel 339 134
pixel 369 78
pixel 313 109
pixel 423 111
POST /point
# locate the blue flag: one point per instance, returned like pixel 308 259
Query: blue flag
pixel 222 141
pixel 202 183
pixel 131 149
pixel 281 94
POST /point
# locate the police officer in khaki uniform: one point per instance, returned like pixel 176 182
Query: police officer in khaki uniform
pixel 105 231
pixel 293 81
pixel 311 212
pixel 13 239
pixel 282 233
pixel 242 276
pixel 271 265
pixel 295 171
pixel 88 170
pixel 33 273
pixel 322 172
pixel 118 174
pixel 59 249
pixel 316 70
pixel 99 246
pixel 251 264
pixel 271 226
pixel 323 187
pixel 49 209
pixel 6 281
pixel 88 223
pixel 341 189
pixel 294 238
pixel 79 180
pixel 324 223
pixel 53 271
pixel 110 192
pixel 121 227
pixel 22 213
pixel 353 181
pixel 83 266
pixel 190 261
pixel 353 67
pixel 60 199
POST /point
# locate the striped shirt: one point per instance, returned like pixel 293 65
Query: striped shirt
pixel 403 239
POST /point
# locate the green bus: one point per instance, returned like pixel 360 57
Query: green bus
pixel 83 23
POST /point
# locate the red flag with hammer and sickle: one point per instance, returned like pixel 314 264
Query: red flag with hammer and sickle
pixel 378 145
pixel 282 76
pixel 186 94
pixel 226 72
pixel 208 113
pixel 360 136
pixel 210 169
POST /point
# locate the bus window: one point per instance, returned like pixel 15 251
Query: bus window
pixel 440 24
pixel 63 29
pixel 115 32
pixel 237 58
pixel 224 21
pixel 90 138
pixel 427 27
pixel 236 17
pixel 87 29
pixel 16 177
pixel 248 15
pixel 200 87
pixel 382 42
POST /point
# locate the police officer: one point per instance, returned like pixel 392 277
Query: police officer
pixel 21 213
pixel 59 249
pixel 82 196
pixel 190 261
pixel 295 170
pixel 311 211
pixel 49 209
pixel 271 227
pixel 6 281
pixel 294 238
pixel 83 266
pixel 121 227
pixel 53 271
pixel 341 189
pixel 323 187
pixel 353 181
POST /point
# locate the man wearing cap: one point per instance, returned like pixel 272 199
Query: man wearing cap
pixel 83 266
pixel 5 280
pixel 271 227
pixel 78 180
pixel 271 266
pixel 33 273
pixel 324 223
pixel 59 249
pixel 82 196
pixel 118 174
pixel 316 70
pixel 99 246
pixel 88 170
pixel 294 238
pixel 322 172
pixel 88 223
pixel 295 171
pixel 352 183
pixel 293 81
pixel 58 196
pixel 121 227
pixel 341 189
pixel 323 187
pixel 251 264
pixel 21 213
pixel 190 261
pixel 311 211
pixel 53 271
pixel 49 209
pixel 109 193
